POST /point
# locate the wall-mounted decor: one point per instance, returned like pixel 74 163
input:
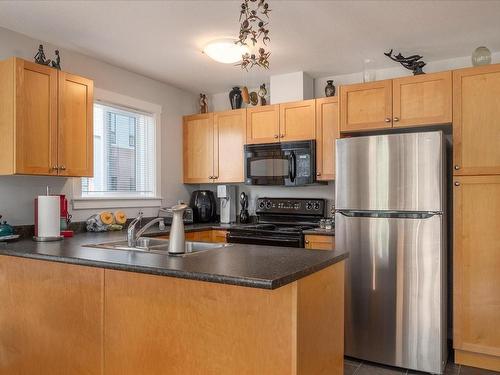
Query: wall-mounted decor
pixel 235 98
pixel 40 56
pixel 203 103
pixel 262 94
pixel 329 88
pixel 481 56
pixel 254 27
pixel 411 62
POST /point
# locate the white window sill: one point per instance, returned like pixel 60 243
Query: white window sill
pixel 86 203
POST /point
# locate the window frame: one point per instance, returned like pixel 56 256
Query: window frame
pixel 122 199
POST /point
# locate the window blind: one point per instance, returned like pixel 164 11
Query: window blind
pixel 124 153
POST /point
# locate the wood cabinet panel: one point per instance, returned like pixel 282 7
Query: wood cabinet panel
pixel 51 317
pixel 366 106
pixel 219 236
pixel 327 131
pixel 319 242
pixel 263 124
pixel 230 137
pixel 476 265
pixel 422 100
pixel 76 134
pixel 297 121
pixel 36 119
pixel 476 125
pixel 198 151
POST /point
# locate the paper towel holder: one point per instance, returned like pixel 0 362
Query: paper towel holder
pixel 47 238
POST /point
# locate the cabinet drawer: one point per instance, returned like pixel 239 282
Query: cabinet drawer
pixel 319 242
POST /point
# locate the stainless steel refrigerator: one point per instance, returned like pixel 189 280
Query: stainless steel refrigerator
pixel 390 216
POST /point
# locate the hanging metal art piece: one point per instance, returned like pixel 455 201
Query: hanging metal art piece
pixel 253 27
pixel 410 62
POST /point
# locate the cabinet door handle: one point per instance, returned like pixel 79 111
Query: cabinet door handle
pixel 457 167
pixel 282 135
pixel 457 183
pixel 307 242
pixel 62 168
pixel 387 119
pixel 210 177
pixel 318 174
pixel 276 136
pixel 55 168
pixel 396 119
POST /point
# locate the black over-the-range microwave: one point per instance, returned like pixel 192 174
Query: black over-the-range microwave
pixel 285 163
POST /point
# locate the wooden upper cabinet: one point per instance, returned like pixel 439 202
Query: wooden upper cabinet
pixel 263 124
pixel 366 106
pixel 198 152
pixel 229 139
pixel 35 119
pixel 297 121
pixel 75 141
pixel 476 120
pixel 327 131
pixel 476 265
pixel 422 100
pixel 46 121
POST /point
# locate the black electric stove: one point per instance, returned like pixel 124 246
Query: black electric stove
pixel 280 222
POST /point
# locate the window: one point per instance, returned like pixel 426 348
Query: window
pixel 124 153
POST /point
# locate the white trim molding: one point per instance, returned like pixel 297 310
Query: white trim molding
pixel 80 202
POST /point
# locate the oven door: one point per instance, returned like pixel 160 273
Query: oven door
pixel 266 240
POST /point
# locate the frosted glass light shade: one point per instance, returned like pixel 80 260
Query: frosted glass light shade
pixel 481 56
pixel 225 51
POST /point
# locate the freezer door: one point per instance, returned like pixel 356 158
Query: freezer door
pixel 400 172
pixel 395 290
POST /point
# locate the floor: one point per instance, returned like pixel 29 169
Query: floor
pixel 354 367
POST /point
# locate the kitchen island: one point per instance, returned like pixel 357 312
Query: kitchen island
pixel 72 309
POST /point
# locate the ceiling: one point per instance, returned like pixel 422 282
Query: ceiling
pixel 163 39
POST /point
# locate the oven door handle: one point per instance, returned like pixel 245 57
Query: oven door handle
pixel 254 238
pixel 292 166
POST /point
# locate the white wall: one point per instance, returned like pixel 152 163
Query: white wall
pixel 17 192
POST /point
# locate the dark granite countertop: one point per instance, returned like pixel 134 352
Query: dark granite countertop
pixel 254 266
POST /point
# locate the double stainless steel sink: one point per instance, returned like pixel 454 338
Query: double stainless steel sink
pixel 158 246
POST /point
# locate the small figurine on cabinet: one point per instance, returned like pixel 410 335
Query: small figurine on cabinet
pixel 40 56
pixel 262 94
pixel 203 103
pixel 56 63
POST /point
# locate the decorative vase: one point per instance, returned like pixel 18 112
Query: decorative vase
pixel 235 98
pixel 329 88
pixel 481 56
pixel 245 95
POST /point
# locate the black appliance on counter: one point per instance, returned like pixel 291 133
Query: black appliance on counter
pixel 203 204
pixel 280 222
pixel 285 163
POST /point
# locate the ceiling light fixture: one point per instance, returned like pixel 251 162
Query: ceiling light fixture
pixel 225 50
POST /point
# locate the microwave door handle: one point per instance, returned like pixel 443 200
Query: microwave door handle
pixel 294 166
pixel 290 167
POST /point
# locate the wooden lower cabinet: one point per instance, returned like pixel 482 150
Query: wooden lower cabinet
pixel 319 242
pixel 211 235
pixel 476 271
pixel 51 318
pixel 63 319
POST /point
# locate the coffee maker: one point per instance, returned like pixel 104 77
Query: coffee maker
pixel 227 196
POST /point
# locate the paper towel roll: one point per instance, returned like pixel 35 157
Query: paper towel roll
pixel 48 216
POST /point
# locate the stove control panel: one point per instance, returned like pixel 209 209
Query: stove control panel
pixel 298 206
